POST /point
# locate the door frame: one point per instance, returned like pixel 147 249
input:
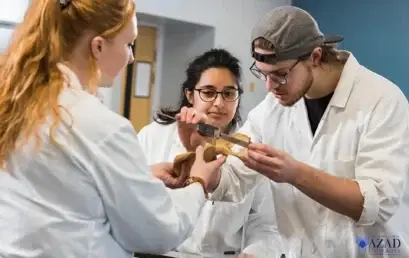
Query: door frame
pixel 127 93
pixel 156 92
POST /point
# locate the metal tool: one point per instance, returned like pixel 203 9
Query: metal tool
pixel 202 128
pixel 214 132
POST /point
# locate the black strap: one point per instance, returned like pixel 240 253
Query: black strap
pixel 292 54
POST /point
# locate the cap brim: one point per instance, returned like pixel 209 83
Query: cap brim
pixel 333 39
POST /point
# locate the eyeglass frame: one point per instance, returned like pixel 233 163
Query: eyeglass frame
pixel 240 91
pixel 254 69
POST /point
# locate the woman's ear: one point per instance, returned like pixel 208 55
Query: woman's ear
pixel 189 96
pixel 97 46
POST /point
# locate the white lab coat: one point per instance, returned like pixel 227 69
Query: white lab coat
pixel 220 224
pixel 15 203
pixel 95 192
pixel 363 135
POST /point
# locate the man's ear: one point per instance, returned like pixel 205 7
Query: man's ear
pixel 97 44
pixel 189 96
pixel 316 56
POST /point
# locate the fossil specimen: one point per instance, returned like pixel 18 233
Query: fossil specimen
pixel 183 162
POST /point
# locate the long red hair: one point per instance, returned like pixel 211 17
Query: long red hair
pixel 30 81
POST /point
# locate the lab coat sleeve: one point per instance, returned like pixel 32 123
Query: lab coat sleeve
pixel 249 129
pixel 382 161
pixel 139 208
pixel 234 175
pixel 261 234
pixel 236 181
pixel 144 139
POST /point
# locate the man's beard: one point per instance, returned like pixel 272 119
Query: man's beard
pixel 300 94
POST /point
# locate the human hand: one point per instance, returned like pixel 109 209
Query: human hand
pixel 209 172
pixel 189 137
pixel 277 165
pixel 164 171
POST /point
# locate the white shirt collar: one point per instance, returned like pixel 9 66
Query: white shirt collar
pixel 346 82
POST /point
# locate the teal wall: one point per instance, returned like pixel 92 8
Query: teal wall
pixel 376 31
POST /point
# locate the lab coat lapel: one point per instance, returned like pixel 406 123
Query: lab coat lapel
pixel 346 83
pixel 300 126
pixel 341 94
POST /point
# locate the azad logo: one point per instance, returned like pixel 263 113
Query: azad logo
pixel 379 245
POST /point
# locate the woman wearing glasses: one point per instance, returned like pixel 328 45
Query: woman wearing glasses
pixel 212 87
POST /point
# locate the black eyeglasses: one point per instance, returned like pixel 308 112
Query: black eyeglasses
pixel 279 77
pixel 228 94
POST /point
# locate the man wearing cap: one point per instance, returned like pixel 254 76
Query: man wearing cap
pixel 332 136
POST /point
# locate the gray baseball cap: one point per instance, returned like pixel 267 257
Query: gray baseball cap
pixel 293 33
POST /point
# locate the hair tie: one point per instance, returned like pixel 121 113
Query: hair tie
pixel 64 4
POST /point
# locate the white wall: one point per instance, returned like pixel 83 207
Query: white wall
pixel 182 42
pixel 232 20
pixel 5 35
pixel 11 13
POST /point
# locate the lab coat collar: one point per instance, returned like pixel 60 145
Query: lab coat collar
pixel 339 99
pixel 346 82
pixel 72 80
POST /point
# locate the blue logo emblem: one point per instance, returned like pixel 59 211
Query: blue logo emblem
pixel 362 242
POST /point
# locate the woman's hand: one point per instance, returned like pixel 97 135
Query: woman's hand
pixel 208 171
pixel 164 171
pixel 189 137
